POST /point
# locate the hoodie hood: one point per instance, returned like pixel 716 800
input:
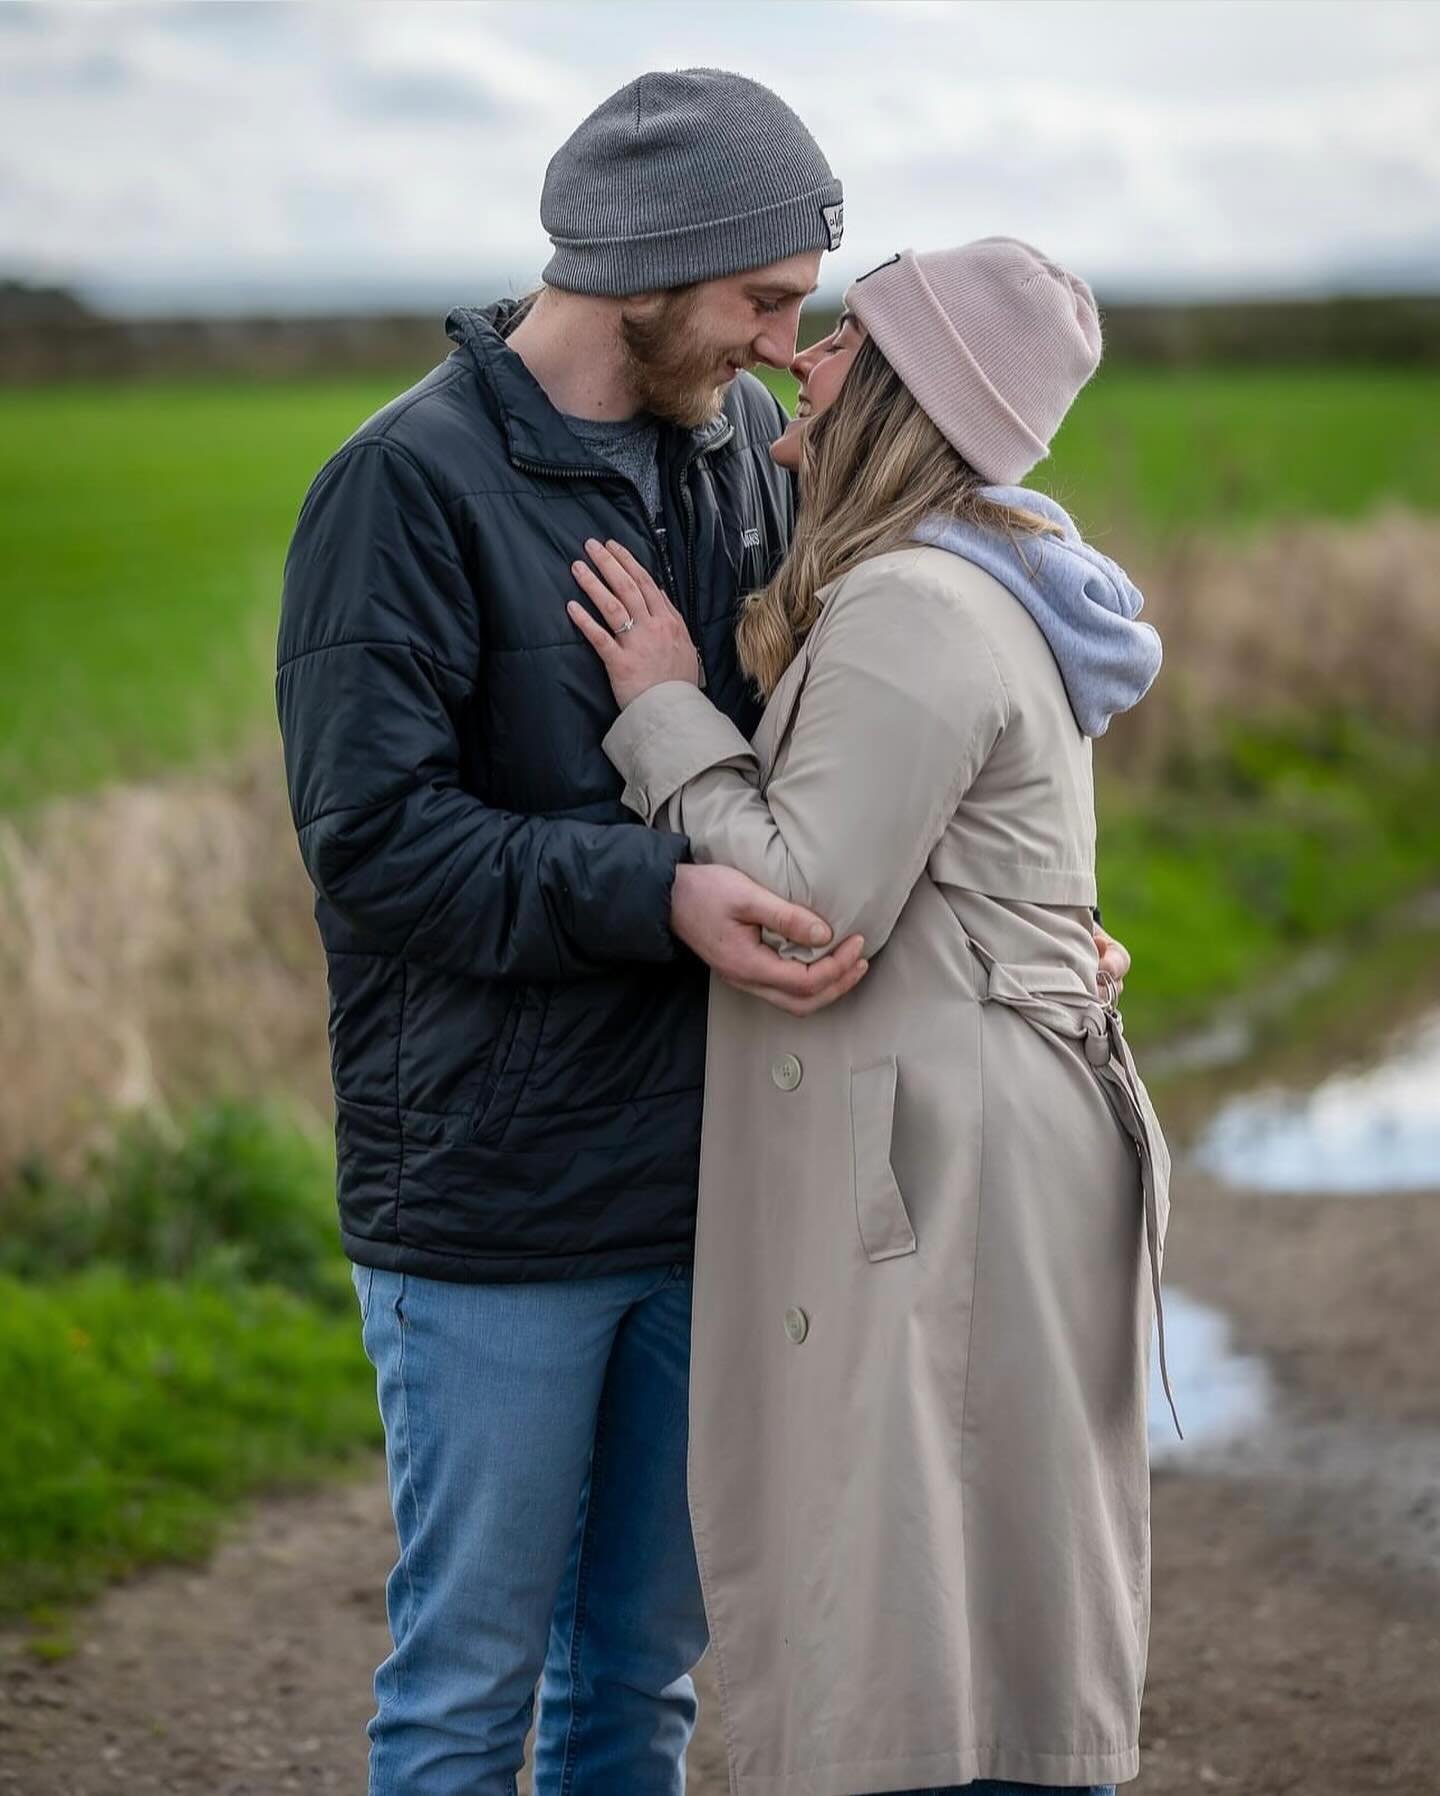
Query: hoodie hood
pixel 1085 604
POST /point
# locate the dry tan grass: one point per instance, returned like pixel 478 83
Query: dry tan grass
pixel 1312 619
pixel 157 945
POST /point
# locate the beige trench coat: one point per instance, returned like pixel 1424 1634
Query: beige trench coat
pixel 923 1286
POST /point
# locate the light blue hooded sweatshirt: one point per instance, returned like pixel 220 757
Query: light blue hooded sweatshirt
pixel 1086 605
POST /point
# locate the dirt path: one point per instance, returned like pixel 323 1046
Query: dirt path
pixel 1296 1640
pixel 1296 1635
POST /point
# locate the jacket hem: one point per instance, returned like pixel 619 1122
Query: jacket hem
pixel 1003 1764
pixel 515 1268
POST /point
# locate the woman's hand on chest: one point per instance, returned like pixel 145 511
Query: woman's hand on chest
pixel 643 640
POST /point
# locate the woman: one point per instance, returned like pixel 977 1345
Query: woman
pixel 931 1217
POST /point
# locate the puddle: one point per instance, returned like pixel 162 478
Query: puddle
pixel 1367 1131
pixel 1369 1491
pixel 1221 1394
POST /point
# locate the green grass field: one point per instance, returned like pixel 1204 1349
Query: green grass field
pixel 1164 453
pixel 142 534
pixel 143 529
pixel 1147 452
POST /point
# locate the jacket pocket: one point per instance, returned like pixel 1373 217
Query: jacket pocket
pixel 500 1060
pixel 880 1211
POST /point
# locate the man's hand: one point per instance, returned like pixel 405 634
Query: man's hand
pixel 719 912
pixel 1114 963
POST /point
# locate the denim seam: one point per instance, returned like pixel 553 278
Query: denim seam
pixel 582 1581
pixel 404 1454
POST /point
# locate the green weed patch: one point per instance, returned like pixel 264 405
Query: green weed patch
pixel 238 1194
pixel 177 1331
pixel 1219 874
pixel 140 1410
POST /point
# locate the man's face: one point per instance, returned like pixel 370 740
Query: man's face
pixel 683 349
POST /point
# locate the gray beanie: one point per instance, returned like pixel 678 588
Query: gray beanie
pixel 685 176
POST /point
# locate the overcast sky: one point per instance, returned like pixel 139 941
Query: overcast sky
pixel 227 154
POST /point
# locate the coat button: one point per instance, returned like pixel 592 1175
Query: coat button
pixel 1097 1050
pixel 787 1072
pixel 797 1325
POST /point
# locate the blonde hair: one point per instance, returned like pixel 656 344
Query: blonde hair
pixel 872 466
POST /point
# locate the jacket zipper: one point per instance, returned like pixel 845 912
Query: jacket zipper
pixel 667 572
pixel 662 542
pixel 688 506
pixel 657 536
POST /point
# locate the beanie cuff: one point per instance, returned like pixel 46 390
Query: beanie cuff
pixel 898 308
pixel 618 267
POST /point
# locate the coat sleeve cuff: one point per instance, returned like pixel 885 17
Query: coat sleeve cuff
pixel 662 739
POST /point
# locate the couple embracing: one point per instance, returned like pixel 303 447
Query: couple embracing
pixel 646 747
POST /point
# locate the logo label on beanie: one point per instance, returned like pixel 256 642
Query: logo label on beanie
pixel 834 217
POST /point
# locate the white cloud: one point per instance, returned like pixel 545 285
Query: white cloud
pixel 401 147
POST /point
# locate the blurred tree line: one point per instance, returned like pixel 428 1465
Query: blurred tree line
pixel 48 334
pixel 1396 331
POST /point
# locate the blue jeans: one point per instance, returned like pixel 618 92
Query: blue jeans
pixel 535 1440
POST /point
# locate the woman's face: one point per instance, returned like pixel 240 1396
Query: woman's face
pixel 821 371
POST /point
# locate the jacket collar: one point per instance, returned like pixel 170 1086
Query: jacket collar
pixel 536 434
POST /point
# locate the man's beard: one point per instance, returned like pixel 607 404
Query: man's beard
pixel 671 374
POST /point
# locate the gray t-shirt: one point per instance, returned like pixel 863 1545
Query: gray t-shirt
pixel 631 446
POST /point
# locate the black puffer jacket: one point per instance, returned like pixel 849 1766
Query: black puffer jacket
pixel 517 1040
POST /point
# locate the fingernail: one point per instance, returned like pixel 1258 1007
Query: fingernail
pixel 819 933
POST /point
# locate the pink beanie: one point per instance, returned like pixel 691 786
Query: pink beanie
pixel 993 340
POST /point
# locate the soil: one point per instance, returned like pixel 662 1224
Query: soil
pixel 1296 1638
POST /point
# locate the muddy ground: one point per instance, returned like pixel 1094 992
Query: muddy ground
pixel 1296 1642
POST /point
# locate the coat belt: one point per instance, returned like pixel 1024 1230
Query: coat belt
pixel 1058 1002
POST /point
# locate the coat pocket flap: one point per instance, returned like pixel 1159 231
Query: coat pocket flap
pixel 880 1210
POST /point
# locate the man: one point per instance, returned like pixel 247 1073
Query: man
pixel 518 972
